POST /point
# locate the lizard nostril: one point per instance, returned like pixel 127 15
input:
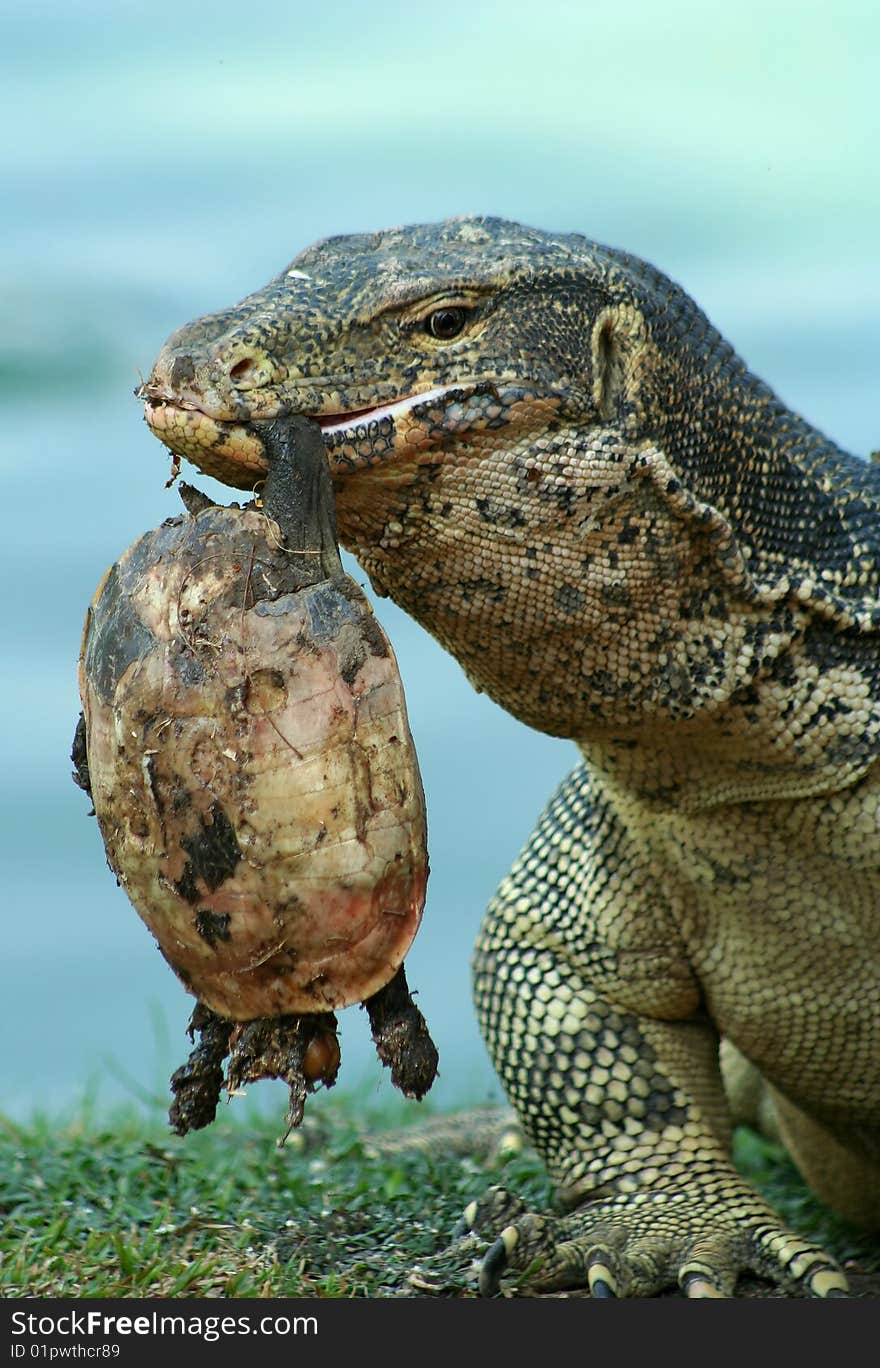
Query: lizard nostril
pixel 241 368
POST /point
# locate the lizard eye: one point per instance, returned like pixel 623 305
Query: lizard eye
pixel 445 324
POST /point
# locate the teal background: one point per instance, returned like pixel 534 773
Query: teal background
pixel 160 162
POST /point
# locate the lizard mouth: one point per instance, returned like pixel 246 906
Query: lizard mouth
pixel 350 421
pixel 231 451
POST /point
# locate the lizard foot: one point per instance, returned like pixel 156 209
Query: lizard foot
pixel 641 1243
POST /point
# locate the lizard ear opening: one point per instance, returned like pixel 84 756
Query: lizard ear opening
pixel 609 372
pixel 614 344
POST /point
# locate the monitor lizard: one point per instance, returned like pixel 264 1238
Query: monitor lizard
pixel 543 450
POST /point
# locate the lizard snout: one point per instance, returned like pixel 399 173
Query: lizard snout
pixel 220 379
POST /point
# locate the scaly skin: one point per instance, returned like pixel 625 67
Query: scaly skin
pixel 628 540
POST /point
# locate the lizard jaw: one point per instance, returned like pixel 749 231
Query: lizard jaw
pixel 347 423
pixel 233 453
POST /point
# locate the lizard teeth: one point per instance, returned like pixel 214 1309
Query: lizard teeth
pixel 346 422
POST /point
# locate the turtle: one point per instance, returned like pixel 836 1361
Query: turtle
pixel 245 741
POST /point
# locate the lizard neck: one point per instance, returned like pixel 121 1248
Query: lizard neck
pixel 591 593
pixel 805 514
pixel 574 578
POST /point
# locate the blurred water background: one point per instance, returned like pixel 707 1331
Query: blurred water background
pixel 158 163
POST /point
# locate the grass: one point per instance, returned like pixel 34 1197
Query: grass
pixel 120 1208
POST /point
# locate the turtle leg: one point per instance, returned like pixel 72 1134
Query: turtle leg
pixel 197 1084
pixel 401 1037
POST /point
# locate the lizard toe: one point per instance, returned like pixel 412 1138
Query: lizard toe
pixel 787 1258
pixel 497 1207
pixel 712 1263
pixel 554 1254
pixel 531 1247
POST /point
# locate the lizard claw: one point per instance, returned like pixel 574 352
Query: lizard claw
pixel 694 1285
pixel 493 1265
pixel 600 1280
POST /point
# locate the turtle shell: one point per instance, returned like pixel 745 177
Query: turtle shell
pixel 252 767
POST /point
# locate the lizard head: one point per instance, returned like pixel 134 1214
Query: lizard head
pixel 395 342
pixel 474 381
